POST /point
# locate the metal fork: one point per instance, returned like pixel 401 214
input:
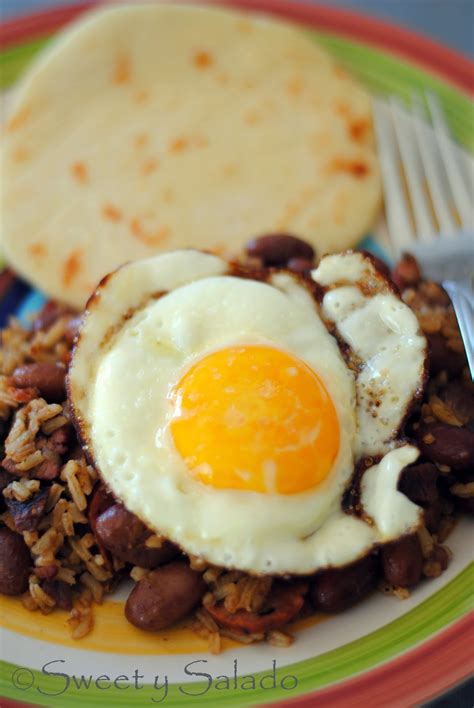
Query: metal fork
pixel 428 206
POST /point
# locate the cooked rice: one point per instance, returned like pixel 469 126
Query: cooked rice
pixel 214 643
pixel 62 541
pixel 443 412
pixel 277 638
pixel 393 590
pixel 445 527
pixel 138 573
pixel 94 586
pixel 432 569
pixel 43 601
pixel 426 541
pixel 20 441
pixel 77 489
pixel 465 491
pixel 22 490
pixel 242 638
pixel 154 541
pixel 28 602
pixel 240 591
pixel 81 619
pixel 53 424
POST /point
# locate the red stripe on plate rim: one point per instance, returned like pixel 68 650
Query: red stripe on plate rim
pixel 419 49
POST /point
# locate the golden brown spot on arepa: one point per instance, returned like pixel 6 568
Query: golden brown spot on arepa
pixel 38 249
pixel 179 144
pixel 356 167
pixel 123 69
pixel 340 72
pixel 111 212
pixel 244 26
pixel 80 172
pixel 222 78
pixel 149 166
pixel 18 119
pixel 319 139
pixel 72 267
pixel 343 109
pixel 359 129
pixel 200 141
pixel 294 207
pixel 140 140
pixel 229 169
pixel 146 237
pixel 251 117
pixel 203 59
pixel 219 249
pixel 20 154
pixel 141 96
pixel 295 86
pixel 168 195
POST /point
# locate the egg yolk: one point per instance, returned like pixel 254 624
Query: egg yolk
pixel 255 418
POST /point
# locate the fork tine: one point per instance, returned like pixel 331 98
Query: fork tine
pixel 446 147
pixel 413 170
pixel 399 226
pixel 430 166
pixel 464 314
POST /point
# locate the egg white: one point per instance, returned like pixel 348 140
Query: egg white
pixel 384 336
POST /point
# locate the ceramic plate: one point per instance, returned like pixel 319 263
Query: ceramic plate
pixel 384 652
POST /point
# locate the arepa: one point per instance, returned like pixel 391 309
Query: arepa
pixel 145 128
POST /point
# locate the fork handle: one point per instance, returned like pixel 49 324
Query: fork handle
pixel 462 302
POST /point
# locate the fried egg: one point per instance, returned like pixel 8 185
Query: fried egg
pixel 221 411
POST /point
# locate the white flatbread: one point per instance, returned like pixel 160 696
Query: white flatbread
pixel 155 127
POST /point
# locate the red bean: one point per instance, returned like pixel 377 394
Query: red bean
pixel 420 483
pixel 100 500
pixel 466 504
pixel 278 249
pixel 124 535
pixel 5 480
pixel 28 514
pixel 460 398
pixel 407 272
pixel 49 379
pixel 447 445
pixel 72 329
pixel 440 555
pixel 300 265
pixel 336 589
pixel 442 358
pixel 164 596
pixel 432 516
pixel 15 562
pixel 49 314
pixel 60 591
pixel 402 561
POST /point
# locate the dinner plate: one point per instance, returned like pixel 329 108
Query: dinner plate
pixel 384 652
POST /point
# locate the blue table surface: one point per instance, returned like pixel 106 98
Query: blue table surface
pixel 448 21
